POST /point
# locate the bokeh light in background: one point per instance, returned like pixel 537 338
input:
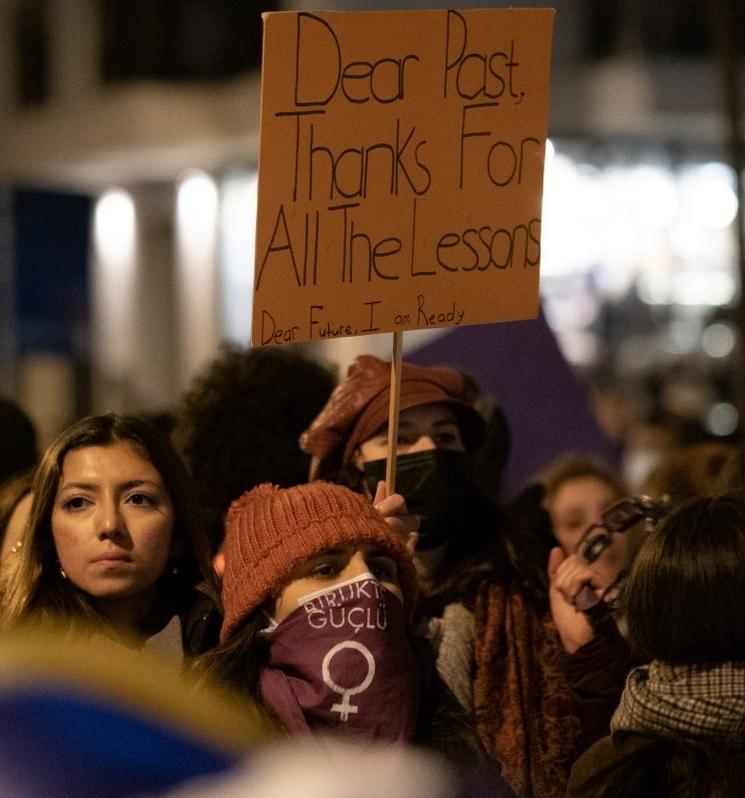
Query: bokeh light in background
pixel 237 242
pixel 639 267
pixel 197 213
pixel 635 224
pixel 667 234
pixel 197 270
pixel 718 340
pixel 639 275
pixel 113 280
pixel 649 235
pixel 114 228
pixel 722 419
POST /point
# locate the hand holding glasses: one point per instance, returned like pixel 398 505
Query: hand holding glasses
pixel 618 518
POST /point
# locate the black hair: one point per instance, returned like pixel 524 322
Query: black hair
pixel 17 440
pixel 671 767
pixel 493 545
pixel 686 588
pixel 239 423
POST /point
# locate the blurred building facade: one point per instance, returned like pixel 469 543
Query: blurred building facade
pixel 149 111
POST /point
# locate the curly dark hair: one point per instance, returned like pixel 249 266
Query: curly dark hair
pixel 239 423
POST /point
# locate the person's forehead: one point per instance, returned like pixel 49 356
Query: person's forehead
pixel 119 459
pixel 584 487
pixel 434 413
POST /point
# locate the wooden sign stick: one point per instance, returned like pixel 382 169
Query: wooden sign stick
pixel 390 466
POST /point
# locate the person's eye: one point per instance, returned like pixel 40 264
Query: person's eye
pixel 325 570
pixel 594 546
pixel 141 500
pixel 384 570
pixel 445 439
pixel 74 503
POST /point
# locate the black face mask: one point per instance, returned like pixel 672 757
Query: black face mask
pixel 437 485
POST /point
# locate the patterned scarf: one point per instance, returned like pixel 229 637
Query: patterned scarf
pixel 703 702
pixel 525 712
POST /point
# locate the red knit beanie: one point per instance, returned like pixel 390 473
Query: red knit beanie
pixel 269 531
pixel 358 408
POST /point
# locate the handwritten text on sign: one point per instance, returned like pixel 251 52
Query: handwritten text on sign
pixel 401 170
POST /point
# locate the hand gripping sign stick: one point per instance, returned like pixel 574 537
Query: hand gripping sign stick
pixel 390 465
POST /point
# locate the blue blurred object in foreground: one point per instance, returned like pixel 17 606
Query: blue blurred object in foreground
pixel 97 720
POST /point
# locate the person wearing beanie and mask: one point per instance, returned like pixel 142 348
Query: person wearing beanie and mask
pixel 317 596
pixel 484 598
pixel 438 433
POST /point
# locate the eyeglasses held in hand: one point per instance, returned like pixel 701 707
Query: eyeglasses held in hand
pixel 616 519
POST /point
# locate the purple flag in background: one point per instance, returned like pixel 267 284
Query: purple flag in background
pixel 520 365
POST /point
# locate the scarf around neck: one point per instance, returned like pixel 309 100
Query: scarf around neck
pixel 705 701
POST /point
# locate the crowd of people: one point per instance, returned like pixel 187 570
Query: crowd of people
pixel 570 640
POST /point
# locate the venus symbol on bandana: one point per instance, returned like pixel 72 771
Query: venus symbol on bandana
pixel 345 708
pixel 343 661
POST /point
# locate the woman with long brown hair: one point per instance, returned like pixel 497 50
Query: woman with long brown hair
pixel 114 541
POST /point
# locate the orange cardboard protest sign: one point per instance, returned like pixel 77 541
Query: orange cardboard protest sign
pixel 401 170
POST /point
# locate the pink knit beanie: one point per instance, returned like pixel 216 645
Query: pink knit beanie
pixel 270 531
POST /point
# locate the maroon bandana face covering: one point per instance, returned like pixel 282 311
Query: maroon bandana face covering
pixel 343 662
